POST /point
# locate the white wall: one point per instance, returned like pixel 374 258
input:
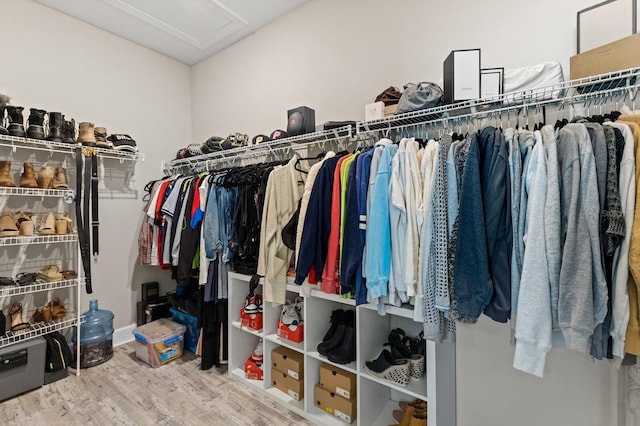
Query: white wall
pixel 57 63
pixel 335 56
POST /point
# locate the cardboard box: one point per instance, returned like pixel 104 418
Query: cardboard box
pixel 252 321
pixel 338 381
pixel 462 76
pixel 295 333
pixel 288 361
pixel 389 110
pixel 343 408
pixel 287 384
pixel 374 111
pixel 619 55
pixel 252 370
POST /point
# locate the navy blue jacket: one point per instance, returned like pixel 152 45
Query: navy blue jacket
pixel 351 260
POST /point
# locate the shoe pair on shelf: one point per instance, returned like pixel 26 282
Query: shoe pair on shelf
pixel 403 362
pixel 411 413
pixel 339 343
pixel 48 177
pixel 21 223
pixel 292 313
pixel 258 353
pixel 253 304
pixel 54 310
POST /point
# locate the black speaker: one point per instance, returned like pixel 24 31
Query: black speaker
pixel 301 120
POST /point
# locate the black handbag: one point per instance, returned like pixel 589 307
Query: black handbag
pixel 59 356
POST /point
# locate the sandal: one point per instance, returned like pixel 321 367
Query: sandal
pixel 50 273
pixel 58 311
pixel 63 225
pixel 69 274
pixel 26 278
pixel 16 317
pixel 7 281
pixel 25 224
pixel 48 225
pixel 42 314
pixel 8 226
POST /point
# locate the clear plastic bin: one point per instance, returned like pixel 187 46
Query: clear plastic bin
pixel 159 342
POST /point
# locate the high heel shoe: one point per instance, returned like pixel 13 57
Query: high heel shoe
pixel 16 317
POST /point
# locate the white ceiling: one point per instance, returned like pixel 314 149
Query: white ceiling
pixel 186 30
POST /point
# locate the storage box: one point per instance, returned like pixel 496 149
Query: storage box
pixel 343 408
pixel 192 334
pixel 288 361
pixel 287 384
pixel 159 342
pixel 389 110
pixel 615 56
pixel 374 111
pixel 252 321
pixel 252 370
pixel 338 381
pixel 462 76
pixel 295 333
pixel 22 367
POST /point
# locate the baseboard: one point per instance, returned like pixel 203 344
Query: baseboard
pixel 123 335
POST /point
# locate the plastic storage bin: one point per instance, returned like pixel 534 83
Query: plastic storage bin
pixel 96 336
pixel 192 334
pixel 159 342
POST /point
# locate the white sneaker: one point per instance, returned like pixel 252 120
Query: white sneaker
pixel 258 353
pixel 290 314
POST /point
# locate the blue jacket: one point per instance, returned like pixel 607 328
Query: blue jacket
pixel 317 224
pixel 472 282
pixel 379 229
pixel 363 170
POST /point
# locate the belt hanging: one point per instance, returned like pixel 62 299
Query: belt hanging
pixel 94 205
pixel 82 220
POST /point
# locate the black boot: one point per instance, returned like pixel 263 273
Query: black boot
pixel 336 317
pixel 4 100
pixel 36 124
pixel 16 121
pixel 69 131
pixel 346 351
pixel 327 346
pixel 55 126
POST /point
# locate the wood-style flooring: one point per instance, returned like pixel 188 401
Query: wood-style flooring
pixel 125 391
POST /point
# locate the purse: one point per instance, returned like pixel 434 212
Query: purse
pixel 419 96
pixel 59 355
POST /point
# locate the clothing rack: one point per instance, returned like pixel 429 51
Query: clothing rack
pixel 593 90
pixel 276 149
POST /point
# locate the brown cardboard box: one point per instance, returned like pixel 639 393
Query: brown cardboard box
pixel 287 384
pixel 338 381
pixel 288 361
pixel 343 408
pixel 389 110
pixel 619 55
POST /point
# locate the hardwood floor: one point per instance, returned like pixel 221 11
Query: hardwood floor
pixel 125 391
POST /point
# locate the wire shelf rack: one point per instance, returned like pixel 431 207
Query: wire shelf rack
pixel 38 239
pixel 624 82
pixel 15 142
pixel 39 329
pixel 208 161
pixel 33 192
pixel 16 290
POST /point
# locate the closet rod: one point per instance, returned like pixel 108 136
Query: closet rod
pixel 170 167
pixel 599 96
pixel 532 98
pixel 239 157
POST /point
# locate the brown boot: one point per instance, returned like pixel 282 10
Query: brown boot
pixel 28 178
pixel 60 181
pixel 5 174
pixel 85 135
pixel 45 177
pixel 101 137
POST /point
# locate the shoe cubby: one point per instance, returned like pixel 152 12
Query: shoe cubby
pixel 376 398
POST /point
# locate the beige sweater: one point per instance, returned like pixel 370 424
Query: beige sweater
pixel 284 190
pixel 632 342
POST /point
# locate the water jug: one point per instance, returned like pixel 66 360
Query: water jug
pixel 96 336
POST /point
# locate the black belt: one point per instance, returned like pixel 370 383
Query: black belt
pixel 87 172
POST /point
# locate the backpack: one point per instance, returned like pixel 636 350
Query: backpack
pixel 59 355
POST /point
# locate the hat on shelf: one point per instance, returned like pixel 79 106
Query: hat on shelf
pixel 260 139
pixel 213 144
pixel 235 140
pixel 279 134
pixel 122 142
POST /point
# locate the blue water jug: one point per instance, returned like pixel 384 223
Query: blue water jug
pixel 96 336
